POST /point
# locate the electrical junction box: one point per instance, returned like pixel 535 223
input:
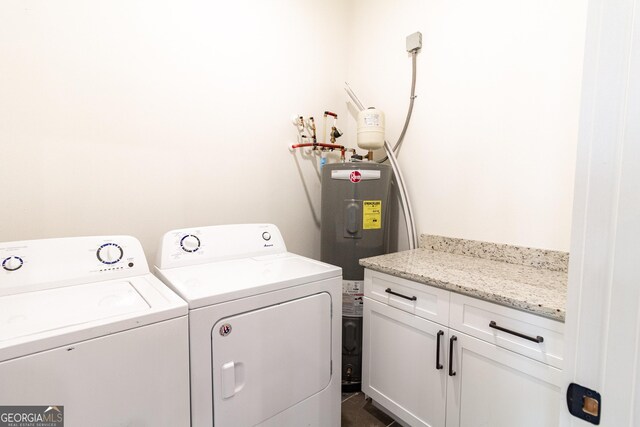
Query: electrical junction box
pixel 414 41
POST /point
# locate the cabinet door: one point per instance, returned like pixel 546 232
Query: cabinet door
pixel 494 387
pixel 399 364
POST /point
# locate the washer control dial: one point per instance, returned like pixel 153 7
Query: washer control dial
pixel 109 253
pixel 12 263
pixel 190 243
pixel 266 236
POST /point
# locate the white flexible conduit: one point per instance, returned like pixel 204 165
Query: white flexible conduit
pixel 412 98
pixel 402 190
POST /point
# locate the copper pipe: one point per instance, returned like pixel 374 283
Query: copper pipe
pixel 319 144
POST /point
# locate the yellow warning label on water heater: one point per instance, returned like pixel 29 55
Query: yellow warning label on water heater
pixel 371 214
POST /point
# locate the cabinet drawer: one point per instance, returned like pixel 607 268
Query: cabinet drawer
pixel 422 300
pixel 509 328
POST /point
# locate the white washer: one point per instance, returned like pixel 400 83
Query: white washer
pixel 86 327
pixel 264 327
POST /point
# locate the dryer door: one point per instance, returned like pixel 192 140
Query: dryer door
pixel 267 360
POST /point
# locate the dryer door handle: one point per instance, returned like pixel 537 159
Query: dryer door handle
pixel 232 378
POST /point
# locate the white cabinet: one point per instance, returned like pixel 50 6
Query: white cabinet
pixel 400 356
pixel 494 387
pixel 438 362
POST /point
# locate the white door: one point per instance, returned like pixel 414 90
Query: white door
pixel 490 386
pixel 603 307
pixel 267 360
pixel 399 364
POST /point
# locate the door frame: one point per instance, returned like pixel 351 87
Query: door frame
pixel 603 304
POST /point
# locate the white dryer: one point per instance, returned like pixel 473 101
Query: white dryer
pixel 264 327
pixel 85 327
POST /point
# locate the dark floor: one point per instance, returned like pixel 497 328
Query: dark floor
pixel 359 412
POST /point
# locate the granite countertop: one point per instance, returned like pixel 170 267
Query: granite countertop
pixel 527 279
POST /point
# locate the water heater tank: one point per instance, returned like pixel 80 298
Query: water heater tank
pixel 370 135
pixel 354 225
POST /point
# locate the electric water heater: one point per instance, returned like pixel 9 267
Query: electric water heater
pixel 354 222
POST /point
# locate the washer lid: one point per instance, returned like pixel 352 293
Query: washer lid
pixel 47 310
pixel 41 320
pixel 215 282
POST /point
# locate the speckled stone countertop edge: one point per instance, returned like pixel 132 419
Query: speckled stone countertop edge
pixel 501 299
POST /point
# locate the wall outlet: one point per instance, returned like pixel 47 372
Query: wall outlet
pixel 414 41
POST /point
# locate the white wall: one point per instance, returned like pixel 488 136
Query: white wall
pixel 136 117
pixel 490 151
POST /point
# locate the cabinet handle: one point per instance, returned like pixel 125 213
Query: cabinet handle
pixel 389 291
pixel 438 365
pixel 537 339
pixel 453 338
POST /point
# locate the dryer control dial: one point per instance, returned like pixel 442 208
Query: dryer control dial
pixel 109 253
pixel 12 263
pixel 190 243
